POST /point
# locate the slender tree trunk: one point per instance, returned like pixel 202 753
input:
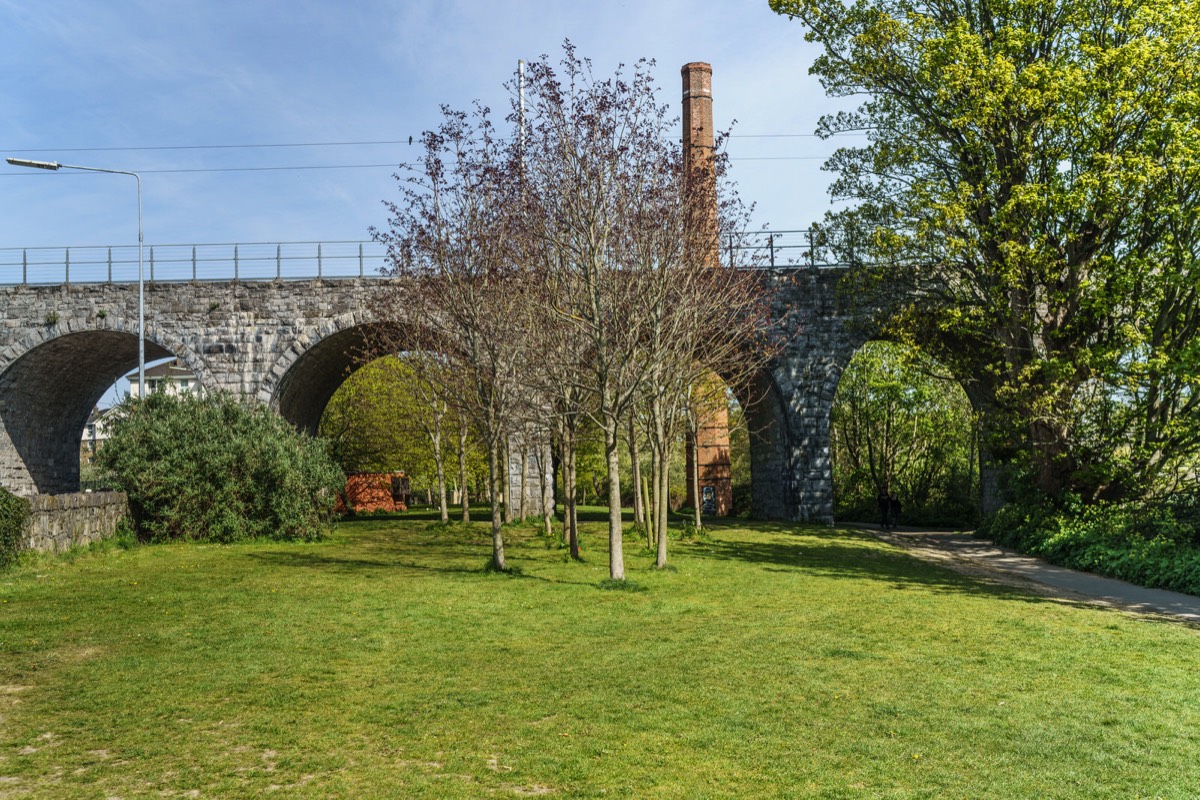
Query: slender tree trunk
pixel 521 510
pixel 440 463
pixel 694 477
pixel 664 500
pixel 462 468
pixel 570 509
pixel 652 500
pixel 616 553
pixel 506 488
pixel 497 526
pixel 639 512
pixel 665 477
pixel 649 508
pixel 546 473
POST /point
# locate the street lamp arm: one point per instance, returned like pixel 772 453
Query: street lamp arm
pixel 54 165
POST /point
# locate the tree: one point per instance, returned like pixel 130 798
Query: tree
pixel 623 225
pixel 457 289
pixel 1031 179
pixel 899 424
pixel 383 418
pixel 581 170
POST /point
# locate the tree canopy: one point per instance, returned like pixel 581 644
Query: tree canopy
pixel 1029 174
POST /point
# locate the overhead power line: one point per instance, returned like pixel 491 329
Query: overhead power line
pixel 409 141
pixel 303 167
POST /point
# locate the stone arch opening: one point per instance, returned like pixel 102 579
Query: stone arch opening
pixel 768 434
pixel 47 393
pixel 901 424
pixel 307 377
pixel 750 454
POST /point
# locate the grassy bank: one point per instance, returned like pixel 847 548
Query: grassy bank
pixel 771 661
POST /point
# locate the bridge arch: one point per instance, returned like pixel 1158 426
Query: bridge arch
pixel 50 380
pixel 929 402
pixel 304 377
pixel 769 433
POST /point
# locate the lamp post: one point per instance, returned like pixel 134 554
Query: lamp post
pixel 54 165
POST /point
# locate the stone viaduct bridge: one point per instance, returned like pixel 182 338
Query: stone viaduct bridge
pixel 291 343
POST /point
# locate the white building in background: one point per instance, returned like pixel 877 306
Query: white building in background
pixel 171 377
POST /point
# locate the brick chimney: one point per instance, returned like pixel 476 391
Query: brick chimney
pixel 711 445
pixel 697 110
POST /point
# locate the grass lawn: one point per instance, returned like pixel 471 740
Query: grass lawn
pixel 771 661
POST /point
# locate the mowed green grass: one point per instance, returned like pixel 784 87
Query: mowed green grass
pixel 771 661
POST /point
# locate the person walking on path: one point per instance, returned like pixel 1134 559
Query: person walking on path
pixel 893 509
pixel 885 509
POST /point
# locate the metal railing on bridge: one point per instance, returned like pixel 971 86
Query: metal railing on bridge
pixel 821 248
pixel 191 262
pixel 339 259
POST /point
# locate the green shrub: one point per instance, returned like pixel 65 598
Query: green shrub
pixel 216 469
pixel 1153 546
pixel 14 513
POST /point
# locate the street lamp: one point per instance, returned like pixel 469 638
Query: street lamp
pixel 54 165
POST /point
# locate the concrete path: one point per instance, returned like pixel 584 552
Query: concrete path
pixel 963 550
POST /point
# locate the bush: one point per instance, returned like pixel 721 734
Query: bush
pixel 14 513
pixel 216 469
pixel 1151 546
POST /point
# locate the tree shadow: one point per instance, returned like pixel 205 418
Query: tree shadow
pixel 399 562
pixel 854 555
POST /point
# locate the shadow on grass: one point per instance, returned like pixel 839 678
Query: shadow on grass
pixel 849 554
pixel 398 563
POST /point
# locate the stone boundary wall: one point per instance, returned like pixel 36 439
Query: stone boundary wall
pixel 59 521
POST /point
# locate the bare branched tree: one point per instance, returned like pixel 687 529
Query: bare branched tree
pixel 457 289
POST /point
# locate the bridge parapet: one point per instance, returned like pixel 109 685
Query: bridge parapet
pixel 175 263
pixel 291 261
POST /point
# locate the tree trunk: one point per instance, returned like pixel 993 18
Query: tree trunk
pixel 440 463
pixel 497 527
pixel 665 478
pixel 462 469
pixel 649 509
pixel 570 517
pixel 664 501
pixel 694 477
pixel 521 511
pixel 546 473
pixel 639 512
pixel 506 488
pixel 616 554
pixel 652 500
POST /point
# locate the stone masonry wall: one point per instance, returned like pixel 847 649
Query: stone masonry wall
pixel 289 344
pixel 61 347
pixel 57 522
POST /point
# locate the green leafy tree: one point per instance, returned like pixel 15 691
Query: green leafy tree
pixel 380 419
pixel 900 425
pixel 214 468
pixel 1030 172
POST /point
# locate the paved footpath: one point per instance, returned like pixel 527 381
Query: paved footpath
pixel 964 550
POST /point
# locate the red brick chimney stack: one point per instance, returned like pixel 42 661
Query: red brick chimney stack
pixel 698 142
pixel 697 110
pixel 711 447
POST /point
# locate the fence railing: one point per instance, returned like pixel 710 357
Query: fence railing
pixel 166 263
pixel 821 248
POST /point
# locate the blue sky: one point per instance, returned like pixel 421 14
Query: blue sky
pixel 83 78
